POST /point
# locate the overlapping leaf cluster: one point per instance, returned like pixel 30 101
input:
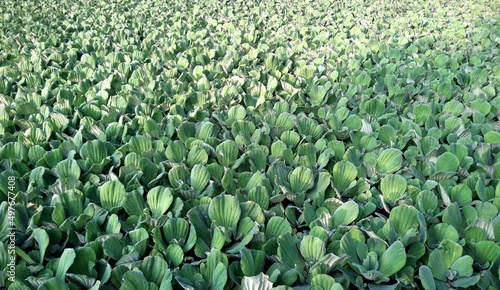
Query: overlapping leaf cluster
pixel 251 144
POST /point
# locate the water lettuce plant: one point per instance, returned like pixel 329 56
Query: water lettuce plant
pixel 250 145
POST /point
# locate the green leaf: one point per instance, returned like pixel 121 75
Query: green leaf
pixel 393 187
pixel 112 194
pixel 317 94
pixel 159 200
pixel 133 280
pixel 115 131
pixel 441 60
pixel 138 235
pixel 387 134
pixel 52 284
pixel 492 137
pixel 422 113
pixel 393 259
pixel 174 231
pixel 486 210
pixel 134 203
pixel 178 176
pixel 461 194
pixel 42 239
pixel 113 248
pixel 113 226
pixel 68 168
pixel 440 232
pixel 345 214
pixel 166 282
pixel 66 260
pixel 95 154
pixel 325 282
pixel 271 61
pixel 447 162
pixel 348 245
pixel 149 170
pixel 290 138
pixel 182 64
pixel 466 282
pixel 186 275
pixel 277 226
pixel 389 161
pixel 208 269
pixel 307 72
pixel 481 106
pixel 55 156
pixel 219 277
pixel 450 251
pixel 428 145
pixel 186 130
pixel 228 182
pixel 197 155
pixel 307 154
pixel 84 261
pixel 312 249
pixel 218 238
pixel 453 217
pixel 426 278
pixel 288 253
pixel 427 201
pixel 260 195
pixel 285 120
pixel 404 218
pixel 176 151
pixel 237 112
pixel 258 157
pixel 363 79
pixel 14 149
pixel 254 181
pixel 72 200
pixel 227 153
pixel 140 144
pixel 463 266
pixel 252 261
pixel 225 211
pixel 453 107
pixel 301 179
pixel 22 286
pixel 343 175
pixel 153 268
pixel 200 177
pixel 485 252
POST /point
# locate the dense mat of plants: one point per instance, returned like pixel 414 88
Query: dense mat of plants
pixel 250 144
